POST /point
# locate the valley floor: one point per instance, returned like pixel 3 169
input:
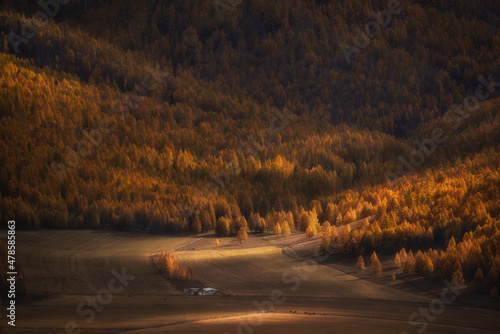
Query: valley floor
pixel 64 269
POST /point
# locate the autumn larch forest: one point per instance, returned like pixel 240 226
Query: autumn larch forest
pixel 255 118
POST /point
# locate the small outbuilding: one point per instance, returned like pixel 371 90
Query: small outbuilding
pixel 208 291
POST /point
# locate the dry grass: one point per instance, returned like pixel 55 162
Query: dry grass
pixel 299 324
pixel 259 270
pixel 74 262
pixel 63 268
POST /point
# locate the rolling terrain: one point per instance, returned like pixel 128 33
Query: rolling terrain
pixel 77 265
pixel 133 128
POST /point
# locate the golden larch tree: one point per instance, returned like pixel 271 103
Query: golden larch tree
pixel 360 265
pixel 242 235
pixel 277 229
pixel 375 265
pixel 311 232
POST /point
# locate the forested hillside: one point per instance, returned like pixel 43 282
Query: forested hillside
pixel 185 116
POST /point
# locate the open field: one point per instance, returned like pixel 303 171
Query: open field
pixel 298 324
pixel 259 270
pixel 64 268
pixel 77 262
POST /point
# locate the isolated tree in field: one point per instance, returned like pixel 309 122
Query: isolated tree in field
pixel 360 265
pixel 172 268
pixel 242 235
pixel 311 232
pixel 285 230
pixel 375 265
pixel 277 229
pixel 217 242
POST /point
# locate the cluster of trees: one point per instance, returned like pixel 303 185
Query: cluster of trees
pixel 286 52
pixel 282 229
pixel 460 263
pixel 140 174
pixel 375 265
pixel 169 265
pixel 449 218
pixel 164 167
